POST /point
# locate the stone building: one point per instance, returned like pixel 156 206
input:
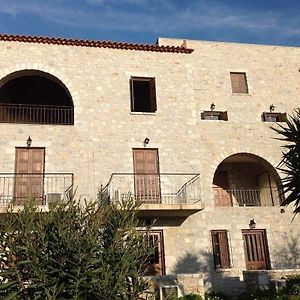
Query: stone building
pixel 182 125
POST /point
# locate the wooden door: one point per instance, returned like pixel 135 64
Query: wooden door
pixel 221 189
pixel 29 174
pixel 156 261
pixel 146 175
pixel 265 192
pixel 256 249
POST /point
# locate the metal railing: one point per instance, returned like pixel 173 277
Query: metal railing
pixel 36 114
pixel 17 188
pixel 253 197
pixel 163 188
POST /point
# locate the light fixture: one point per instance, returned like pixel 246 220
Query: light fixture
pixel 212 106
pixel 28 142
pixel 146 141
pixel 272 107
pixel 252 224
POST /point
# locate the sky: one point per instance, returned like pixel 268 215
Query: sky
pixel 275 22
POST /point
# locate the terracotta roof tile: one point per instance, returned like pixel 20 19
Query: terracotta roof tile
pixel 91 43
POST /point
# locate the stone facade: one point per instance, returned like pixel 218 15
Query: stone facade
pixel 105 131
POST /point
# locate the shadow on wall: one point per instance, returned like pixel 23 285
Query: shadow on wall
pixel 287 256
pixel 219 281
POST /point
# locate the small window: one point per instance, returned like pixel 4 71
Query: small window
pixel 143 95
pixel 220 247
pixel 273 117
pixel 239 83
pixel 214 115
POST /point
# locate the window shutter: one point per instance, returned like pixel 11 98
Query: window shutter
pixel 153 95
pixel 239 83
pixel 131 80
pixel 224 116
pixel 282 117
pixel 220 249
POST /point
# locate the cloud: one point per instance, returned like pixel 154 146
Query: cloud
pixel 168 17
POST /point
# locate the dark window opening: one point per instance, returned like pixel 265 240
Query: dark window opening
pixel 32 96
pixel 220 247
pixel 273 117
pixel 214 115
pixel 239 83
pixel 143 95
pixel 155 265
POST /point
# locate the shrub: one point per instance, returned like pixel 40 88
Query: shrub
pixel 293 285
pixel 191 297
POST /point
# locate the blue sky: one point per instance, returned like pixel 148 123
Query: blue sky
pixel 142 21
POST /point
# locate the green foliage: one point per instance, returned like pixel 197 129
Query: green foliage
pixel 216 296
pixel 73 252
pixel 293 285
pixel 268 294
pixel 191 297
pixel 290 164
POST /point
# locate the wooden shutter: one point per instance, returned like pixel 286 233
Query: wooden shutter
pixel 256 249
pixel 220 249
pixel 146 175
pixel 152 95
pixel 132 94
pixel 239 83
pixel 222 195
pixel 224 116
pixel 156 265
pixel 29 174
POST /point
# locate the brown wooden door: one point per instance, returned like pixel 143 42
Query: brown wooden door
pixel 220 188
pixel 146 175
pixel 256 249
pixel 29 174
pixel 156 261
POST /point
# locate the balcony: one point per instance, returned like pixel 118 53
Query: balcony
pixel 17 188
pixel 160 195
pixel 253 197
pixel 36 114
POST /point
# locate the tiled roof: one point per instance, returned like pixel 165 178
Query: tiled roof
pixel 90 43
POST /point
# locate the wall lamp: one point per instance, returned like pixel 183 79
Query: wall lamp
pixel 272 107
pixel 252 224
pixel 28 142
pixel 212 106
pixel 146 141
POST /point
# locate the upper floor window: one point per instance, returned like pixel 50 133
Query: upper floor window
pixel 239 83
pixel 273 117
pixel 214 115
pixel 143 95
pixel 35 97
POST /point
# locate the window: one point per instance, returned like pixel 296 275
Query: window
pixel 214 115
pixel 220 249
pixel 239 83
pixel 273 117
pixel 143 95
pixel 156 264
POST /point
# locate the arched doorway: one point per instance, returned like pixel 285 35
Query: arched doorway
pixel 35 97
pixel 245 179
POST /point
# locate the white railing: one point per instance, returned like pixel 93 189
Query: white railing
pixel 252 197
pixel 17 188
pixel 164 188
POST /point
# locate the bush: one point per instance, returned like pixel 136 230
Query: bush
pixel 72 252
pixel 191 297
pixel 216 296
pixel 293 285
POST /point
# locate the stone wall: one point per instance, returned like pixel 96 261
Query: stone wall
pixel 105 131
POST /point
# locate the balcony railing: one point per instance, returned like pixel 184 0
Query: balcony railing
pixel 36 114
pixel 254 197
pixel 17 188
pixel 163 188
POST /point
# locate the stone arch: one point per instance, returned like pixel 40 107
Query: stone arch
pixel 34 96
pixel 246 179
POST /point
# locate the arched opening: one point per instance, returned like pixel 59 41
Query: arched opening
pixel 32 96
pixel 246 180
